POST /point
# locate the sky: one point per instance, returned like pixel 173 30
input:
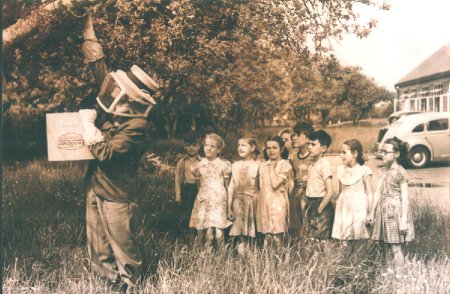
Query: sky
pixel 408 33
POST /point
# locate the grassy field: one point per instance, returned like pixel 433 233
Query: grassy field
pixel 44 247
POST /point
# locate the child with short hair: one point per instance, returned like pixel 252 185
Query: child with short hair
pixel 390 209
pixel 355 194
pixel 286 135
pixel 185 185
pixel 243 192
pixel 273 203
pixel 319 189
pixel 300 161
pixel 212 174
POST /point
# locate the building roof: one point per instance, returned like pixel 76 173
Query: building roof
pixel 435 66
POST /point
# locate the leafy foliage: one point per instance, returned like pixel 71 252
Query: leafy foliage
pixel 220 63
pixel 361 93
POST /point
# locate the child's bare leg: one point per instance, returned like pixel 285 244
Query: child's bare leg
pixel 271 239
pixel 241 246
pixel 277 239
pixel 209 236
pixel 219 237
pixel 399 258
pixel 266 239
pixel 199 239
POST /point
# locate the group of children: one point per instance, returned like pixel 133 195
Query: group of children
pixel 291 191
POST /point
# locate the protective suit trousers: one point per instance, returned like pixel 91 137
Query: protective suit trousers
pixel 111 239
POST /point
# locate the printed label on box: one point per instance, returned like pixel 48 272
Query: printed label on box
pixel 64 137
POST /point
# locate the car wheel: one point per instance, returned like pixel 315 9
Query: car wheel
pixel 418 157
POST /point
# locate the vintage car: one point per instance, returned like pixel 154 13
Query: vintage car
pixel 426 133
pixel 392 119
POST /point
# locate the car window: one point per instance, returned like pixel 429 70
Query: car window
pixel 438 124
pixel 419 128
pixel 392 119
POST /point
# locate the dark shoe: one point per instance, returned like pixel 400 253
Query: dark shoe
pixel 119 287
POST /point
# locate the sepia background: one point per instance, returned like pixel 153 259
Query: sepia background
pixel 223 66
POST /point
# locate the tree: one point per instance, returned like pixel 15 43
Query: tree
pixel 232 59
pixel 361 93
pixel 39 18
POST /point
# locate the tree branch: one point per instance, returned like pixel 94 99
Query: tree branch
pixel 26 27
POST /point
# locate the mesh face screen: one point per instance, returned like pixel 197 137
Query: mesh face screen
pixel 108 92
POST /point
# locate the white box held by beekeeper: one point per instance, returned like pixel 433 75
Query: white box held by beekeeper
pixel 64 137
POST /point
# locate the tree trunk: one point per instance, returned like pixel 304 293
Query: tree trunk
pixel 175 124
pixel 26 27
pixel 194 122
pixel 325 114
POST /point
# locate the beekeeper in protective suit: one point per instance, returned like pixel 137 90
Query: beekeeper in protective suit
pixel 117 141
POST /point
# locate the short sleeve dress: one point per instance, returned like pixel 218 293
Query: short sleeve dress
pixel 389 208
pixel 210 209
pixel 273 205
pixel 351 207
pixel 244 186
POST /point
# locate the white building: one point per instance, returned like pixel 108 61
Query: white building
pixel 426 88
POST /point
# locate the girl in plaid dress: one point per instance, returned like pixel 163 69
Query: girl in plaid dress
pixel 390 210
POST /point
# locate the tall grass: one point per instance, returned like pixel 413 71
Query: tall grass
pixel 44 247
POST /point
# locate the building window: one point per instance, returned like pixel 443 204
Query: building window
pixel 423 104
pixel 437 104
pixel 425 92
pixel 444 104
pixel 430 104
pixel 412 105
pixel 438 89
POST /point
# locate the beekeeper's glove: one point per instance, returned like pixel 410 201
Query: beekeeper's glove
pixel 91 134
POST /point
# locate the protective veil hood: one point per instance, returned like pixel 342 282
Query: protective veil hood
pixel 127 94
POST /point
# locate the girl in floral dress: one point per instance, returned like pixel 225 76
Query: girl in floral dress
pixel 390 210
pixel 273 203
pixel 243 192
pixel 213 174
pixel 355 194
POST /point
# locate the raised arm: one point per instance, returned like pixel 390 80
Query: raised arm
pixel 93 53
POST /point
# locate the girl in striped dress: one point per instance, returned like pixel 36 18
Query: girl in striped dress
pixel 390 209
